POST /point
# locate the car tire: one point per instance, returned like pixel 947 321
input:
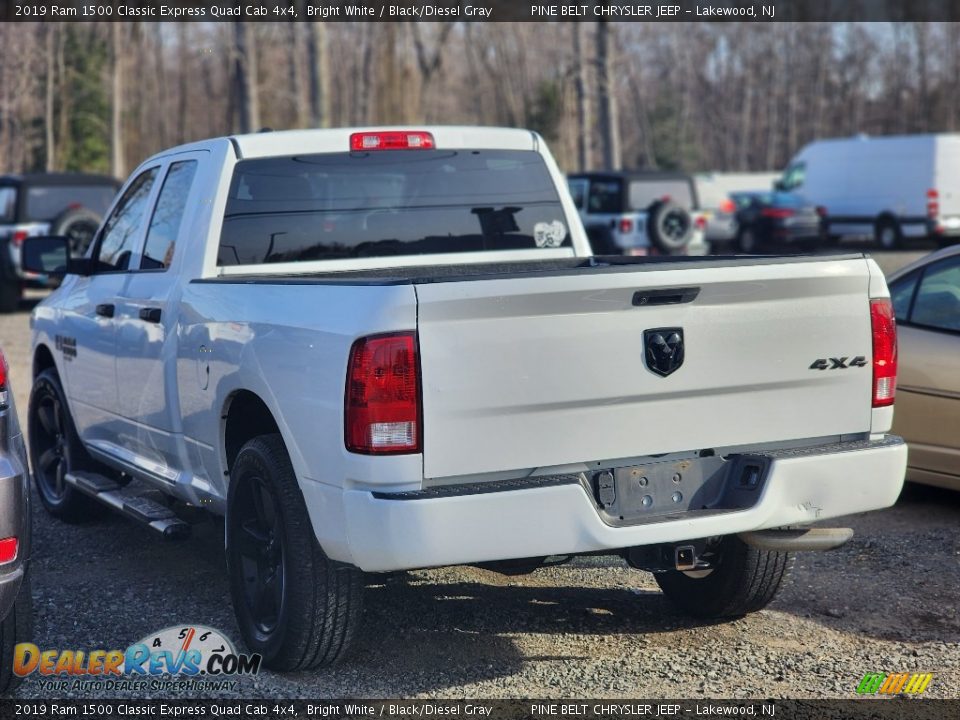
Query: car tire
pixel 743 580
pixel 80 225
pixel 55 450
pixel 294 606
pixel 887 234
pixel 15 628
pixel 10 294
pixel 747 241
pixel 669 226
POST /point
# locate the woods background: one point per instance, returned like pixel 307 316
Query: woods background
pixel 698 96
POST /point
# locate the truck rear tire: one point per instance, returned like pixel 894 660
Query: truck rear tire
pixel 55 450
pixel 294 605
pixel 743 580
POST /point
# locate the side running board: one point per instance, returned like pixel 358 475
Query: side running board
pixel 141 508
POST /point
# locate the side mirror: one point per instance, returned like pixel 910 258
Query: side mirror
pixel 50 255
pixel 779 186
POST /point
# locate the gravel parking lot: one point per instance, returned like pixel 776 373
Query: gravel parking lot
pixel 886 602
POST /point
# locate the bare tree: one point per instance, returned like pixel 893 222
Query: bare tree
pixel 318 59
pixel 118 164
pixel 584 129
pixel 609 119
pixel 245 79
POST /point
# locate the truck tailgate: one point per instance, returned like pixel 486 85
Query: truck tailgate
pixel 536 371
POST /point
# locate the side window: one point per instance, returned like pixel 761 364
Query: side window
pixel 578 190
pixel 121 230
pixel 605 197
pixel 901 294
pixel 167 216
pixel 938 298
pixel 793 176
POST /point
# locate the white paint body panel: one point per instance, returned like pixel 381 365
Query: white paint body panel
pixel 520 375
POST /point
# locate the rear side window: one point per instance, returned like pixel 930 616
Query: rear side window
pixel 605 197
pixel 643 193
pixel 47 203
pixel 167 216
pixel 8 204
pixel 389 203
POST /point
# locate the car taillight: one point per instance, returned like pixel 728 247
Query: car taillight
pixel 19 236
pixel 392 140
pixel 626 225
pixel 3 381
pixel 8 550
pixel 821 211
pixel 933 203
pixel 884 352
pixel 777 213
pixel 727 206
pixel 382 404
pixel 700 223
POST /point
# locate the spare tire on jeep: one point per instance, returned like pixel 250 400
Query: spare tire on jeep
pixel 669 226
pixel 80 225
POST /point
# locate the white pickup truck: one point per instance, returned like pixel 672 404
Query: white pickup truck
pixel 376 350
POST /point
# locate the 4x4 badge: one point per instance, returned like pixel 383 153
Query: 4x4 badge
pixel 664 350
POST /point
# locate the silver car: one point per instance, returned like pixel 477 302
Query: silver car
pixel 16 606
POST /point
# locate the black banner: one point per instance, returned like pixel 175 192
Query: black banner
pixel 897 708
pixel 478 10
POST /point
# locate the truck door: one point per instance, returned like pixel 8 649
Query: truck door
pixel 146 327
pixel 87 342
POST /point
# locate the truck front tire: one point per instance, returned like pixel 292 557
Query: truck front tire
pixel 294 605
pixel 56 450
pixel 743 580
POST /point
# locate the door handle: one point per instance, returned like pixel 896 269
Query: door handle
pixel 150 314
pixel 106 310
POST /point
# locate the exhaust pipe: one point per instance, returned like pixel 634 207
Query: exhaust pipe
pixel 797 539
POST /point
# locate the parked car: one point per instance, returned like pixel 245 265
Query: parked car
pixel 926 300
pixel 639 213
pixel 890 188
pixel 16 602
pixel 774 219
pixel 714 190
pixel 69 204
pixel 377 350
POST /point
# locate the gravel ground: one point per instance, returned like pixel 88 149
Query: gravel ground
pixel 887 601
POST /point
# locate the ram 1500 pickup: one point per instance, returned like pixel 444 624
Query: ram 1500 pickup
pixel 375 350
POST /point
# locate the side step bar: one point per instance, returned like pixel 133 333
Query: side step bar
pixel 792 540
pixel 144 510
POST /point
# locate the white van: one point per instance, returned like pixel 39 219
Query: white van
pixel 889 188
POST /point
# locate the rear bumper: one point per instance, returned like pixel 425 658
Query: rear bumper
pixel 429 529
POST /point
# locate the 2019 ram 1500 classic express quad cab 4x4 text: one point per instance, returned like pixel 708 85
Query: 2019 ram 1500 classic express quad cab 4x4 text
pixel 376 350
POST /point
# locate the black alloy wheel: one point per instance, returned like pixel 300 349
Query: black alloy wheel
pixel 260 555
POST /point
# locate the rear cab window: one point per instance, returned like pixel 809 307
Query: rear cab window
pixel 389 204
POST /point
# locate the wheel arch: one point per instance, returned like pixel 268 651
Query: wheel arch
pixel 245 416
pixel 43 360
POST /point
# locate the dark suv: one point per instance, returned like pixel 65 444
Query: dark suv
pixel 16 605
pixel 69 204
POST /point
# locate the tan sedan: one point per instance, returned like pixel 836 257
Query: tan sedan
pixel 926 301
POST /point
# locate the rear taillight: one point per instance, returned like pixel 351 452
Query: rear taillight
pixel 700 223
pixel 18 237
pixel 392 140
pixel 727 207
pixel 8 550
pixel 777 213
pixel 933 204
pixel 626 225
pixel 3 381
pixel 821 211
pixel 382 404
pixel 884 352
